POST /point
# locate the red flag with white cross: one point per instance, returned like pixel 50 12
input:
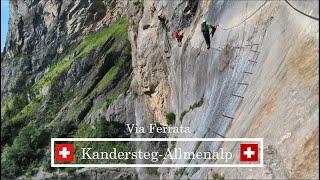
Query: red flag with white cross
pixel 64 152
pixel 249 152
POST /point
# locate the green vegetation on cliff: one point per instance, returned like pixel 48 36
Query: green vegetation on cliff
pixel 216 176
pixel 27 148
pixel 14 105
pixel 192 107
pixel 102 129
pixel 171 118
pixel 119 29
pixel 31 118
pixel 16 117
pixel 54 72
pixel 122 89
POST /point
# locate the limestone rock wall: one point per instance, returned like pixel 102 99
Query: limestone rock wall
pixel 259 79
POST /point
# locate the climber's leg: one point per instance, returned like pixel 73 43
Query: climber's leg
pixel 206 36
pixel 179 41
pixel 213 31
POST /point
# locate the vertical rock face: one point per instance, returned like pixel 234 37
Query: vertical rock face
pixel 68 65
pixel 259 79
pixel 42 31
pixel 65 63
pixel 35 25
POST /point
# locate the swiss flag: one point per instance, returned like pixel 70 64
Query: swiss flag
pixel 64 152
pixel 249 152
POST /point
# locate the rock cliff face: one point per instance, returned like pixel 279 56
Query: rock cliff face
pixel 64 64
pixel 42 31
pixel 259 79
pixel 70 68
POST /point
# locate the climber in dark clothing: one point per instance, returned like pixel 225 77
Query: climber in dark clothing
pixel 162 19
pixel 205 28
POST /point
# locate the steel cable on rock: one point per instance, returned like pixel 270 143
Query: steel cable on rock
pixel 299 11
pixel 245 18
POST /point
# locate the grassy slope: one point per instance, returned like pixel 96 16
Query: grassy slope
pixel 29 144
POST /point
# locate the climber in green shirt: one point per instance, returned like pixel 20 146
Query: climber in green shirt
pixel 205 29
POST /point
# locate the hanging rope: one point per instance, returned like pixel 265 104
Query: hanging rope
pixel 312 17
pixel 245 18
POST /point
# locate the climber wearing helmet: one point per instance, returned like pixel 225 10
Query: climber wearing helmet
pixel 205 29
pixel 178 35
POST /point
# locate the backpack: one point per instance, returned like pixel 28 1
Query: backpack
pixel 203 27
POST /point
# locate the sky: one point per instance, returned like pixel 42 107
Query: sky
pixel 4 21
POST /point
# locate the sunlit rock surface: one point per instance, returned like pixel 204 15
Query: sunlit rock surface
pixel 258 79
